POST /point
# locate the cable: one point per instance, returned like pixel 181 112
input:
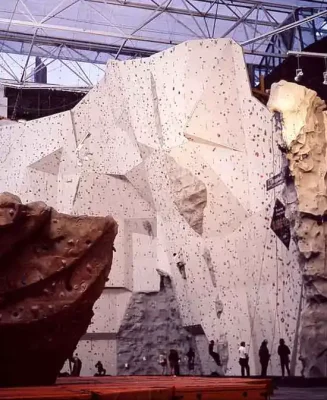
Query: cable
pixel 276 316
pixel 258 288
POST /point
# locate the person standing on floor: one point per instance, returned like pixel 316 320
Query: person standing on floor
pixel 101 370
pixel 75 365
pixel 174 362
pixel 264 357
pixel 163 363
pixel 244 360
pixel 302 359
pixel 190 360
pixel 284 355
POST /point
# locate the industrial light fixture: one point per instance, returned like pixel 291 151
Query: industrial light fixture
pixel 325 78
pixel 298 75
pixel 298 71
pixel 325 73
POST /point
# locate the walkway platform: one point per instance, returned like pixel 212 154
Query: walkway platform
pixel 145 388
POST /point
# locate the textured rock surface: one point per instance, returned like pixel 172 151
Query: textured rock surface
pixel 190 194
pixel 151 326
pixel 304 131
pixel 53 267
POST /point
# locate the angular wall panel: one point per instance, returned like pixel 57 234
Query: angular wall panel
pixel 50 163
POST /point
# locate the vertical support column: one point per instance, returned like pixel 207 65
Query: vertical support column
pixel 3 103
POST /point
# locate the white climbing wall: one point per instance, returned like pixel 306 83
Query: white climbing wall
pixel 178 151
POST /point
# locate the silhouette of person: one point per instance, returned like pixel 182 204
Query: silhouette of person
pixel 244 360
pixel 302 359
pixel 190 359
pixel 264 357
pixel 214 354
pixel 284 355
pixel 75 365
pixel 163 363
pixel 101 370
pixel 174 362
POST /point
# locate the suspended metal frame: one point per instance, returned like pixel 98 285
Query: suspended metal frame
pixel 64 35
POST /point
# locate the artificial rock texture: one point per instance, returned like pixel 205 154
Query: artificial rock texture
pixel 190 194
pixel 305 131
pixel 53 267
pixel 204 219
pixel 152 326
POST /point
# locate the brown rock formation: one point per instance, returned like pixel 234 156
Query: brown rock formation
pixel 304 131
pixel 53 268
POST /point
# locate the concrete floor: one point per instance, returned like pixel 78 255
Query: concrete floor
pixel 291 393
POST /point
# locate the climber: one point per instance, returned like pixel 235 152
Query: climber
pixel 244 360
pixel 284 355
pixel 75 365
pixel 190 360
pixel 101 370
pixel 174 362
pixel 213 354
pixel 264 357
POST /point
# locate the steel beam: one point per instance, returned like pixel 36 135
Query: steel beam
pixel 73 44
pixel 151 18
pixel 306 54
pixel 242 19
pixel 95 47
pixel 275 7
pixel 57 10
pixel 63 28
pixel 38 25
pixel 92 50
pixel 286 27
pixel 182 11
